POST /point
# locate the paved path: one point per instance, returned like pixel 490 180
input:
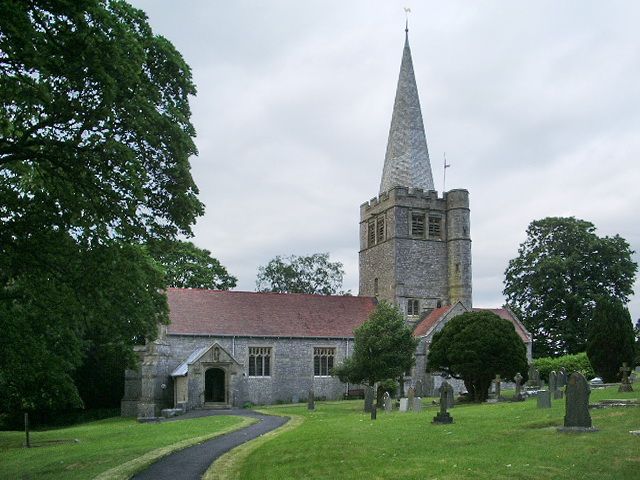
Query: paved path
pixel 192 462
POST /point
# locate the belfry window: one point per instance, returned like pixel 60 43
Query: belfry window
pixel 413 307
pixel 435 227
pixel 380 229
pixel 417 224
pixel 259 361
pixel 375 287
pixel 323 361
pixel 371 233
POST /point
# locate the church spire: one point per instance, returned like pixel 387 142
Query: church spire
pixel 406 163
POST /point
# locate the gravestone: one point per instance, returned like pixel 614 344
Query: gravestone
pixel 368 398
pixel 311 401
pixel 577 417
pixel 625 384
pixel 553 381
pixel 534 376
pixel 417 404
pixel 450 401
pixel 496 386
pixel 386 398
pixel 419 388
pixel 374 410
pixel 544 399
pixel 518 396
pixel 404 404
pixel 558 394
pixel 443 417
pixel 562 378
pixel 411 394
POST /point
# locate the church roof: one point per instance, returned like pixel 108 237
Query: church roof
pixel 214 312
pixel 406 162
pixel 431 320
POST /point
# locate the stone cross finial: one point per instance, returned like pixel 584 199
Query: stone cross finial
pixel 625 384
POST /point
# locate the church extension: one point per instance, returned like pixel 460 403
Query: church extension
pixel 226 348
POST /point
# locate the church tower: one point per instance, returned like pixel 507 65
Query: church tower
pixel 415 246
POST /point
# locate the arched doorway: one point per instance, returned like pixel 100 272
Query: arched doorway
pixel 214 385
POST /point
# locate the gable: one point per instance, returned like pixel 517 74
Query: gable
pixel 214 353
pixel 214 312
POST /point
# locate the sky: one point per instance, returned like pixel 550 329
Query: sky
pixel 535 103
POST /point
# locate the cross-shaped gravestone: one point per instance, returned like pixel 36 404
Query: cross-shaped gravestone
pixel 497 382
pixel 518 379
pixel 443 416
pixel 625 384
pixel 411 393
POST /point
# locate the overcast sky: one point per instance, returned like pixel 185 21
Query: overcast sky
pixel 536 104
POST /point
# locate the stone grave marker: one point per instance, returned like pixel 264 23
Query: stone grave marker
pixel 577 417
pixel 368 398
pixel 411 394
pixel 404 404
pixel 518 379
pixel 558 394
pixel 374 410
pixel 419 388
pixel 311 400
pixel 443 417
pixel 625 383
pixel 534 376
pixel 544 399
pixel 562 378
pixel 496 386
pixel 417 404
pixel 553 381
pixel 450 400
pixel 386 398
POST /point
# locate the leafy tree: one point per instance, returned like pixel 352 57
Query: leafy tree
pixel 187 266
pixel 560 271
pixel 306 274
pixel 611 339
pixel 95 141
pixel 384 348
pixel 476 346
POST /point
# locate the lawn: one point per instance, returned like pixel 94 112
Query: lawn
pixel 492 441
pixel 84 451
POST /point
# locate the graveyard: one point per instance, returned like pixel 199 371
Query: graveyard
pixel 339 440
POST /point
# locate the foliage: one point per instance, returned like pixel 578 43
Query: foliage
pixel 313 274
pixel 383 348
pixel 578 362
pixel 87 450
pixel 95 141
pixel 560 271
pixel 611 339
pixel 477 346
pixel 187 266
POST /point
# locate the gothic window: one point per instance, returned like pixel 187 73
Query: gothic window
pixel 417 224
pixel 413 307
pixel 323 361
pixel 435 227
pixel 375 287
pixel 371 233
pixel 259 361
pixel 380 229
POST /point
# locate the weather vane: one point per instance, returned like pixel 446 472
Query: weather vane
pixel 444 175
pixel 407 11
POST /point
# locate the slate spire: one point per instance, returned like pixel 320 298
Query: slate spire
pixel 406 162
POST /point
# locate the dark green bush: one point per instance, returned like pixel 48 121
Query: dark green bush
pixel 573 363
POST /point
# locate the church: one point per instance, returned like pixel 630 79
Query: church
pixel 229 348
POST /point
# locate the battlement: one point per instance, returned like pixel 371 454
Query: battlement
pixel 399 193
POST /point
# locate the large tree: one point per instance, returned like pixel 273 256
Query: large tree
pixel 95 141
pixel 384 348
pixel 476 346
pixel 561 269
pixel 187 266
pixel 305 274
pixel 611 339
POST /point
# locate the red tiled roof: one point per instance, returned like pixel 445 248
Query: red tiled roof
pixel 214 312
pixel 430 320
pixel 506 314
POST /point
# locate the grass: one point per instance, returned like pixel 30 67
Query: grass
pixel 115 448
pixel 492 441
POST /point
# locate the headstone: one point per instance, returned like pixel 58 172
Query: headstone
pixel 368 398
pixel 534 376
pixel 625 384
pixel 443 416
pixel 496 386
pixel 518 379
pixel 374 411
pixel 577 415
pixel 553 381
pixel 404 404
pixel 562 378
pixel 311 401
pixel 387 402
pixel 411 393
pixel 417 404
pixel 450 401
pixel 558 394
pixel 544 399
pixel 419 388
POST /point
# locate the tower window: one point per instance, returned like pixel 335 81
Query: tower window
pixel 323 361
pixel 259 361
pixel 413 307
pixel 417 224
pixel 380 229
pixel 435 227
pixel 375 287
pixel 371 233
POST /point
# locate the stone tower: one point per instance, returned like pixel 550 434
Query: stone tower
pixel 415 247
